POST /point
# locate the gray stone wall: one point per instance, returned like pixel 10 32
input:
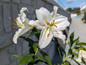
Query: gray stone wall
pixel 11 8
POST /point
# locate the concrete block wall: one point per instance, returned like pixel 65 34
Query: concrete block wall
pixel 11 8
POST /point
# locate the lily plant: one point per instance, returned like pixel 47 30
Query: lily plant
pixel 23 23
pixel 51 25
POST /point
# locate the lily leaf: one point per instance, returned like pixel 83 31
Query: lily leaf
pixel 71 39
pixel 25 59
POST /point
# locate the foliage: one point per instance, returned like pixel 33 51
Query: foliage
pixel 32 57
pixel 74 10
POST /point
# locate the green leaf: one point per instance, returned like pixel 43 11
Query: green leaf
pixel 25 59
pixel 17 56
pixel 70 52
pixel 71 39
pixel 45 59
pixel 41 58
pixel 48 60
pixel 81 44
pixel 67 63
pixel 76 40
pixel 75 54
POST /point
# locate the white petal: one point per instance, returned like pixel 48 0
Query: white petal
pixel 43 15
pixel 79 60
pixel 20 32
pixel 38 25
pixel 54 13
pixel 60 18
pixel 59 35
pixel 82 53
pixel 45 38
pixel 23 9
pixel 19 22
pixel 61 23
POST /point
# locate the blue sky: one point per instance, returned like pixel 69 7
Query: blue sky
pixel 71 3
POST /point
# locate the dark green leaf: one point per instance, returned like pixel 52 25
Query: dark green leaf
pixel 41 58
pixel 76 40
pixel 75 54
pixel 71 39
pixel 25 59
pixel 67 63
pixel 70 52
pixel 81 44
pixel 47 59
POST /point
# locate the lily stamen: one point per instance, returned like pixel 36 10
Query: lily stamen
pixel 43 25
pixel 55 26
pixel 48 35
pixel 15 20
pixel 47 23
pixel 14 27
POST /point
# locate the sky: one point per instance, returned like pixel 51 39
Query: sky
pixel 71 3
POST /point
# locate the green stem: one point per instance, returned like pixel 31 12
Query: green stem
pixel 60 53
pixel 66 57
pixel 32 34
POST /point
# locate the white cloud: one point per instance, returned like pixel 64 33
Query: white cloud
pixel 71 0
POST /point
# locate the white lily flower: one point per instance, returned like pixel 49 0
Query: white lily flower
pixel 23 23
pixel 82 54
pixel 51 25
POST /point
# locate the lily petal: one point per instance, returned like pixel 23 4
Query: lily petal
pixel 38 25
pixel 45 38
pixel 82 54
pixel 54 13
pixel 20 32
pixel 61 22
pixel 43 15
pixel 59 35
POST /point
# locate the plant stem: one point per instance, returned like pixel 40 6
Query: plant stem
pixel 60 54
pixel 66 57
